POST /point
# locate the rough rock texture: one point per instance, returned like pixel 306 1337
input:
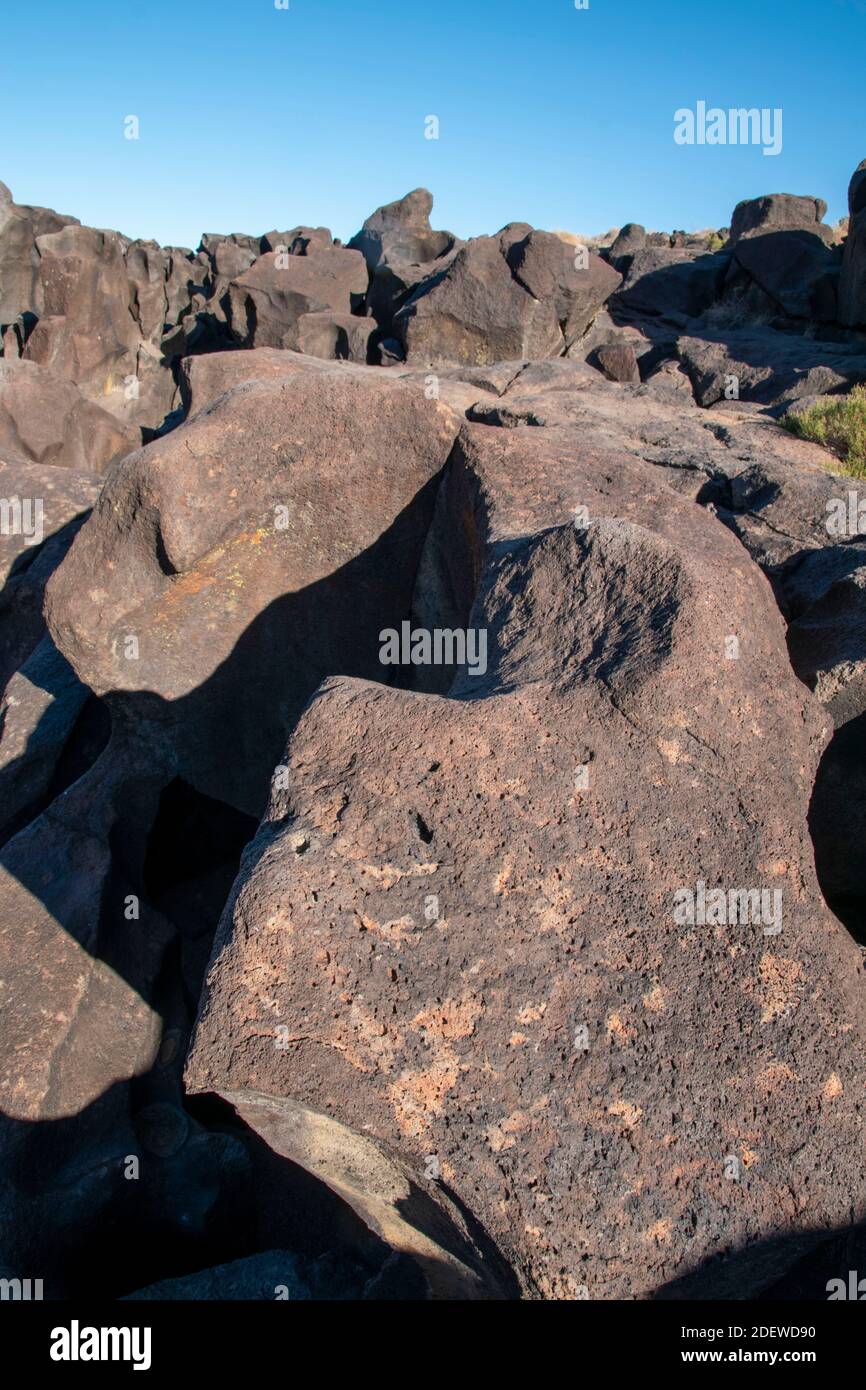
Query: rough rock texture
pixel 220 561
pixel 779 212
pixel 401 250
pixel 552 270
pixel 672 283
pixel 772 368
pixel 796 268
pixel 45 418
pixel 539 1028
pixel 266 303
pixel 404 227
pixel 20 289
pixel 29 553
pixel 618 361
pixel 63 906
pixel 630 240
pixel 852 285
pixel 477 312
pixel 104 302
pixel 332 336
pixel 39 716
pixel 455 1039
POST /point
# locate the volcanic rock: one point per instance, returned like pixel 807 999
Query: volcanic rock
pixel 852 285
pixel 779 212
pixel 477 313
pixel 575 280
pixel 218 561
pixel 796 268
pixel 266 303
pixel 45 418
pixel 533 1036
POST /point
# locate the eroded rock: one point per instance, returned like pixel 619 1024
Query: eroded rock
pixel 476 958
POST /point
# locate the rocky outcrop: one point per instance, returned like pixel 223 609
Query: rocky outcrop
pixel 631 239
pixel 268 304
pixel 449 767
pixel 215 562
pixel 796 268
pixel 779 212
pixel 105 304
pixel 671 283
pixel 46 419
pixel 852 286
pixel 401 250
pixel 20 226
pixel 767 367
pixel 512 1035
pixel 43 507
pixel 478 311
pixel 575 281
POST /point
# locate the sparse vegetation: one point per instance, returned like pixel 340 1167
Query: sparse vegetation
pixel 839 423
pixel 738 310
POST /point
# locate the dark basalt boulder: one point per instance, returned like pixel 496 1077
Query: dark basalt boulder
pixel 779 212
pixel 852 284
pixel 402 251
pixel 266 302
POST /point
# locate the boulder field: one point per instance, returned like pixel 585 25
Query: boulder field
pixel 432 738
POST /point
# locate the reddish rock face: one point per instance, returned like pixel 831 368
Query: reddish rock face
pixel 53 503
pixel 527 960
pixel 86 331
pixel 276 532
pixel 473 931
pixel 104 303
pixel 618 361
pixel 477 313
pixel 268 300
pixel 779 212
pixel 46 419
pixel 576 281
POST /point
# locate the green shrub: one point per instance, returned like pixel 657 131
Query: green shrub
pixel 839 423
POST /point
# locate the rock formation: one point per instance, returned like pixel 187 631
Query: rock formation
pixel 432 738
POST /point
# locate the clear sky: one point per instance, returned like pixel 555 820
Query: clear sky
pixel 254 118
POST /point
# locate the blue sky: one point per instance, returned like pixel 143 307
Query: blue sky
pixel 253 118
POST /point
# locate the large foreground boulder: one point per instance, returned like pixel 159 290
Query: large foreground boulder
pixel 271 534
pixel 631 767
